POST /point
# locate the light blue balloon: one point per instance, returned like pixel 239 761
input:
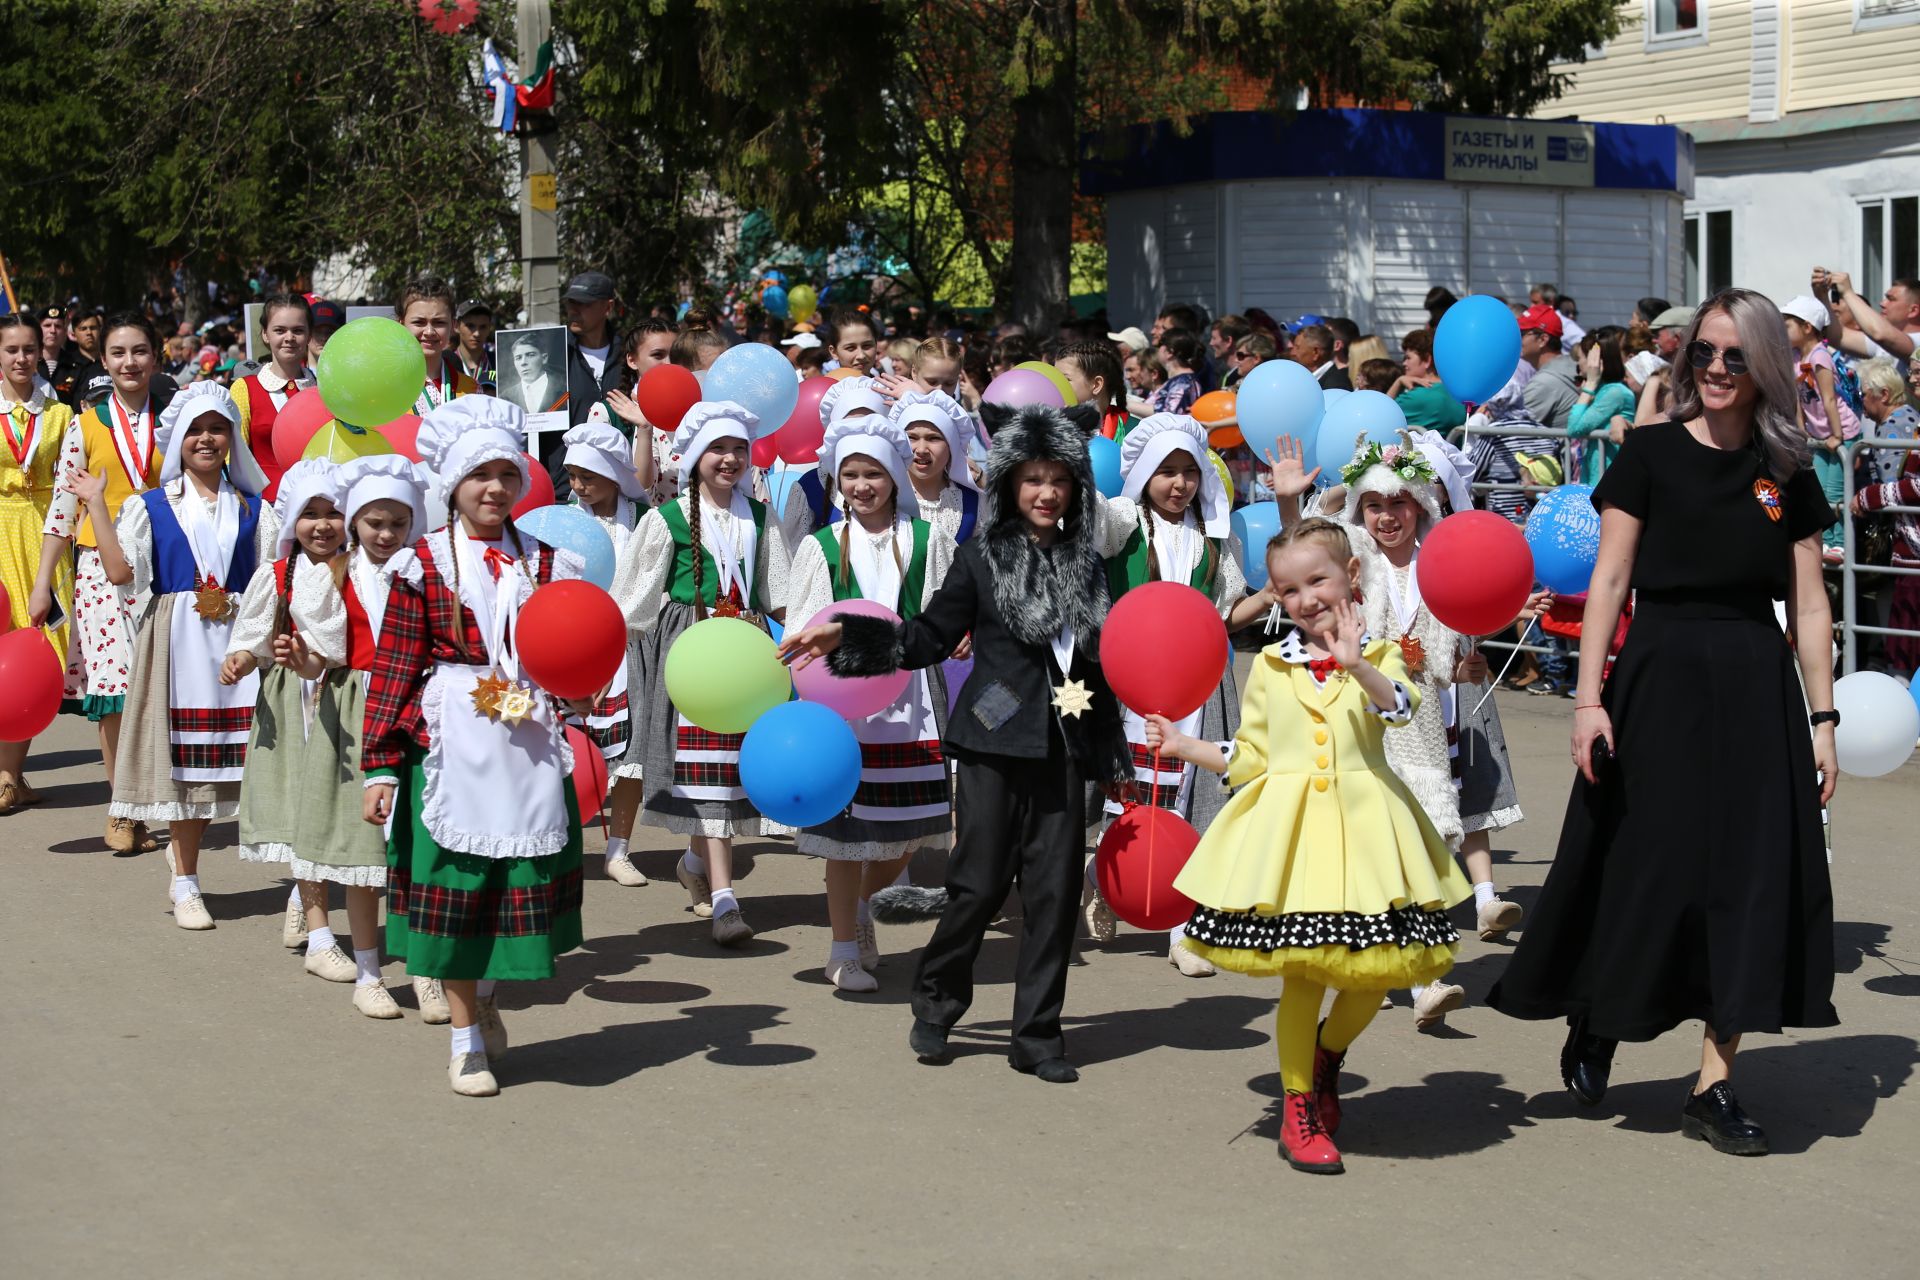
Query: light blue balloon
pixel 1278 398
pixel 775 301
pixel 1913 686
pixel 800 764
pixel 1254 524
pixel 1330 396
pixel 755 376
pixel 781 478
pixel 1368 415
pixel 1476 347
pixel 1107 477
pixel 1563 531
pixel 575 529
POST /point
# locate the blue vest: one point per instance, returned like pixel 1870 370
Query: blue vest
pixel 173 567
pixel 824 515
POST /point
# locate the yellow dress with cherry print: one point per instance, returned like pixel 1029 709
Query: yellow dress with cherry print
pixel 32 431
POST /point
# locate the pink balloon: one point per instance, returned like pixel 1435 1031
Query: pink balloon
pixel 1018 387
pixel 858 697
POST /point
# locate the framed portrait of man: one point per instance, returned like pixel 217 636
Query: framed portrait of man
pixel 531 367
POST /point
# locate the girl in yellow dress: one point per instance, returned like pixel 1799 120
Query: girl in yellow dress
pixel 1322 869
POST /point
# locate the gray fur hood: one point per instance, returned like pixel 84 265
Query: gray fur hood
pixel 1038 591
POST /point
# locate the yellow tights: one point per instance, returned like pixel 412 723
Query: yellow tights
pixel 1296 1027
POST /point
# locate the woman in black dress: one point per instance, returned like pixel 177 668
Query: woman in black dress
pixel 1691 878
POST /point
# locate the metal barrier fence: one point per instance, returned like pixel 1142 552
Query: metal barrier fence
pixel 1851 627
pixel 1564 449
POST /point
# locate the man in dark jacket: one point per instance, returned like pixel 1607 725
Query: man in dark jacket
pixel 593 361
pixel 59 358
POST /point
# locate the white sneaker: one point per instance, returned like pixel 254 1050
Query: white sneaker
pixel 1496 917
pixel 333 964
pixel 1432 1006
pixel 1386 1000
pixel 434 1010
pixel 470 1078
pixel 698 887
pixel 191 913
pixel 1189 964
pixel 1102 924
pixel 622 871
pixel 849 976
pixel 493 1032
pixel 869 940
pixel 293 926
pixel 374 1000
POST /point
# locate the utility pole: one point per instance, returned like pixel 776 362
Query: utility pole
pixel 539 223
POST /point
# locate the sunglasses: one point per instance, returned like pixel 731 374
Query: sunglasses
pixel 1244 355
pixel 1700 354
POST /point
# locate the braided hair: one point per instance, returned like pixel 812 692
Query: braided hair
pixel 843 574
pixel 693 531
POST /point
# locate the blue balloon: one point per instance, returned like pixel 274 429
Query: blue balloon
pixel 800 764
pixel 778 277
pixel 775 301
pixel 1359 414
pixel 1913 686
pixel 781 477
pixel 1476 348
pixel 575 529
pixel 1254 524
pixel 1105 455
pixel 1331 396
pixel 755 376
pixel 1563 531
pixel 1278 398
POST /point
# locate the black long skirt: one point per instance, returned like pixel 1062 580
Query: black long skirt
pixel 1691 881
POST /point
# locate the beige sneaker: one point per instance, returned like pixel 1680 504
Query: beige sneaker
pixel 1189 964
pixel 434 1010
pixel 191 913
pixel 849 976
pixel 1496 917
pixel 622 871
pixel 1102 924
pixel 120 837
pixel 698 887
pixel 333 964
pixel 374 1000
pixel 869 940
pixel 470 1078
pixel 293 925
pixel 493 1032
pixel 1432 1006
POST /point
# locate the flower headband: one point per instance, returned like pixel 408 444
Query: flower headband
pixel 1408 464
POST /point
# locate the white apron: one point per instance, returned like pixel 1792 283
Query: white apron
pixel 899 744
pixel 206 720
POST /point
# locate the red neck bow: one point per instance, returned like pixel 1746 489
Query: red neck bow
pixel 496 560
pixel 1322 668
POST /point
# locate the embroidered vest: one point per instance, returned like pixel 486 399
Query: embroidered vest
pixel 173 567
pixel 1129 569
pixel 96 432
pixel 680 585
pixel 913 582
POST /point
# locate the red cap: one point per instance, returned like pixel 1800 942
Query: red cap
pixel 1542 317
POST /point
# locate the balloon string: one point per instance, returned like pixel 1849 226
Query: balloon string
pixel 1152 829
pixel 1496 680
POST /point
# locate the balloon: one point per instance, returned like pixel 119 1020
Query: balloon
pixel 1053 375
pixel 1913 687
pixel 589 775
pixel 1214 406
pixel 1017 387
pixel 1164 649
pixel 1138 858
pixel 1476 347
pixel 1879 721
pixel 1475 572
pixel 31 683
pixel 338 442
pixel 723 674
pixel 755 376
pixel 402 433
pixel 956 671
pixel 1105 456
pixel 800 436
pixel 575 529
pixel 665 393
pixel 372 370
pixel 851 697
pixel 1225 473
pixel 802 302
pixel 800 764
pixel 1563 532
pixel 1371 414
pixel 539 488
pixel 776 277
pixel 766 451
pixel 1254 524
pixel 299 419
pixel 775 301
pixel 1277 398
pixel 780 481
pixel 570 638
pixel 1330 396
pixel 844 371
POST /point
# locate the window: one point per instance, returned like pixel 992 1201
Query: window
pixel 1889 243
pixel 1873 15
pixel 1709 252
pixel 1671 22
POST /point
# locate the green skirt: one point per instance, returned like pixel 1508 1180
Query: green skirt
pixel 460 916
pixel 300 802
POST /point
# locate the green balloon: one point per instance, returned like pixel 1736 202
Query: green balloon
pixel 723 674
pixel 372 371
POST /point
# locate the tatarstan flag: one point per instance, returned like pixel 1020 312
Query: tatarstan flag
pixel 534 90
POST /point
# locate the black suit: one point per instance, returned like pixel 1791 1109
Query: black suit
pixel 583 392
pixel 1335 379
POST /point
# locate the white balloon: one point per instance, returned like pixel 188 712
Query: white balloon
pixel 1879 722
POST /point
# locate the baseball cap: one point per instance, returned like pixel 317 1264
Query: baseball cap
pixel 1296 325
pixel 468 308
pixel 324 314
pixel 1808 308
pixel 94 382
pixel 589 286
pixel 1132 336
pixel 805 341
pixel 1674 318
pixel 1542 317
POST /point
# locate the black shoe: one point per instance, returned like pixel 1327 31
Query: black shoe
pixel 1715 1117
pixel 1052 1070
pixel 1585 1063
pixel 928 1041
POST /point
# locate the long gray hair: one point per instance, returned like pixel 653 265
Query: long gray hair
pixel 1777 436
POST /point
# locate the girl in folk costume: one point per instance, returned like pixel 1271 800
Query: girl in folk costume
pixel 115 441
pixel 426 308
pixel 33 422
pixel 807 508
pixel 938 427
pixel 187 547
pixel 466 759
pixel 599 463
pixel 1182 534
pixel 1322 869
pixel 285 325
pixel 712 550
pixel 880 552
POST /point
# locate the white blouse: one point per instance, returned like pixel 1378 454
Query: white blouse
pixel 810 583
pixel 135 531
pixel 318 611
pixel 643 573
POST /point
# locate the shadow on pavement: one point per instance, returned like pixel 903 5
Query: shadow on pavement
pixel 1450 1113
pixel 722 1034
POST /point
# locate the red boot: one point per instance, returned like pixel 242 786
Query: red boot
pixel 1304 1140
pixel 1326 1087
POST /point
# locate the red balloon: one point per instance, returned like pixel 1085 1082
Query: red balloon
pixel 570 637
pixel 799 437
pixel 297 423
pixel 6 610
pixel 539 488
pixel 1164 649
pixel 401 433
pixel 589 775
pixel 766 451
pixel 31 683
pixel 1137 861
pixel 665 393
pixel 1475 572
